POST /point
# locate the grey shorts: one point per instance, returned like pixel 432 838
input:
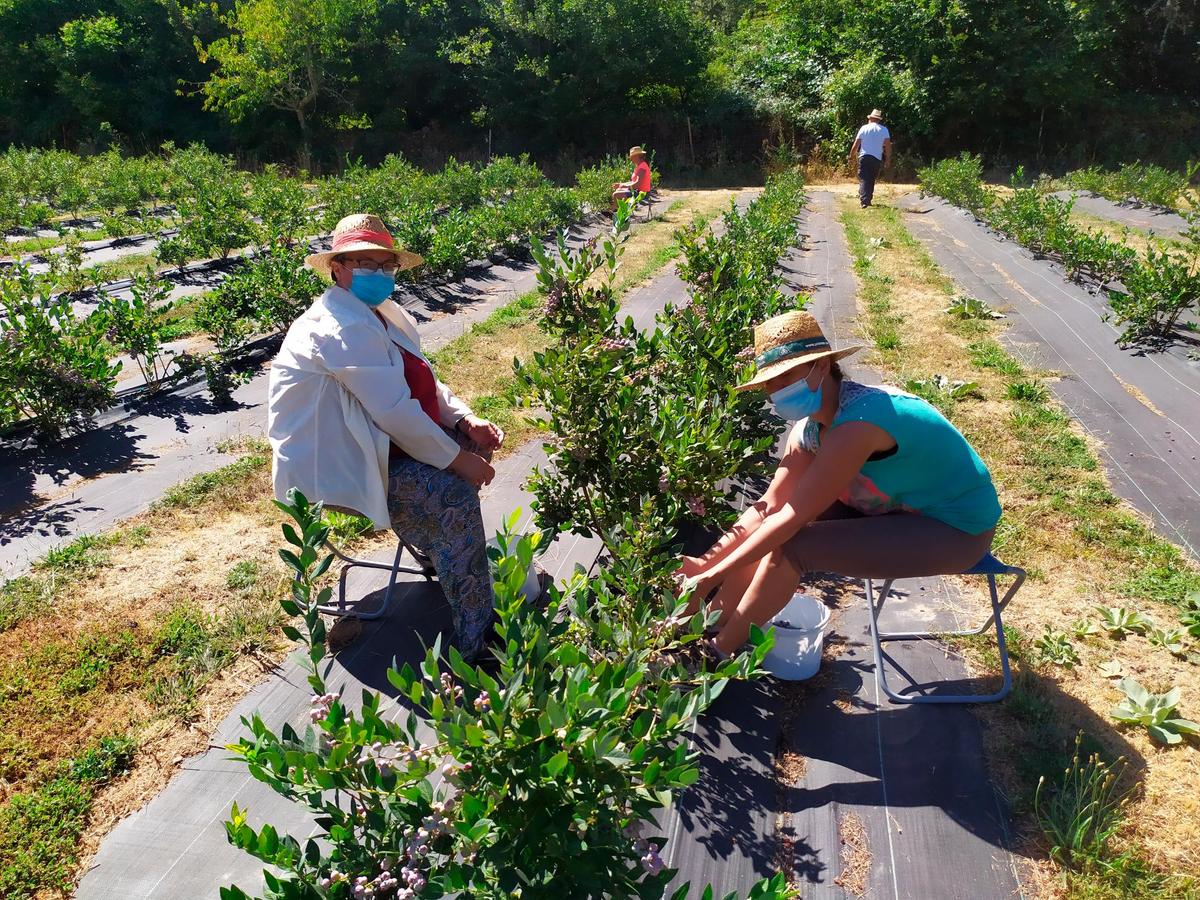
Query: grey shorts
pixel 843 541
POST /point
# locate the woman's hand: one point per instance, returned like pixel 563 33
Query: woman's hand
pixel 472 468
pixel 691 575
pixel 482 432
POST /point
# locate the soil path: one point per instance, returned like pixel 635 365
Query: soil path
pixel 1160 221
pixel 175 846
pixel 791 769
pixel 1140 407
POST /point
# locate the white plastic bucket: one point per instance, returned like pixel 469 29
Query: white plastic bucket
pixel 799 636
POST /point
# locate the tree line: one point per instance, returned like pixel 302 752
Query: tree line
pixel 708 82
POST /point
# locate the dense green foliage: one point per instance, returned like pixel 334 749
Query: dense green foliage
pixel 1136 184
pixel 40 829
pixel 534 777
pixel 647 425
pixel 310 80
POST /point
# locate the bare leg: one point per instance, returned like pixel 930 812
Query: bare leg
pixel 733 589
pixel 774 583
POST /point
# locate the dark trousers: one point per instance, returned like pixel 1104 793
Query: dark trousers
pixel 868 171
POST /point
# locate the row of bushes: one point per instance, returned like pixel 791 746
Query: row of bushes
pixel 647 422
pixel 541 776
pixel 38 188
pixel 1137 184
pixel 1150 291
pixel 66 375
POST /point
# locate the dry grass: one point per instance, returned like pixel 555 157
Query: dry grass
pixel 1083 547
pixel 884 190
pixel 651 245
pixel 855 855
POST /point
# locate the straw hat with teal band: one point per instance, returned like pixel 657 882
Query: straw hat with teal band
pixel 786 341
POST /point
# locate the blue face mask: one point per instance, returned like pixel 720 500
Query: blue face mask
pixel 372 288
pixel 796 401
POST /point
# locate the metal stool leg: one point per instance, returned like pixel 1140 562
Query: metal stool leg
pixel 341 608
pixel 998 605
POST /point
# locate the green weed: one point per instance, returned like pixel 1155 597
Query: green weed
pixel 1082 810
pixel 243 576
pixel 40 829
pixel 82 556
pixel 199 488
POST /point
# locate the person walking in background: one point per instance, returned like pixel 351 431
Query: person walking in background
pixel 873 150
pixel 639 182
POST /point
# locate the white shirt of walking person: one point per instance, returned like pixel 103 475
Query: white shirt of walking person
pixel 873 139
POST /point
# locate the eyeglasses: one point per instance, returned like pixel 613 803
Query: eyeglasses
pixel 369 265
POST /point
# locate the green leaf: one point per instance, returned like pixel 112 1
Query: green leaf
pixel 556 764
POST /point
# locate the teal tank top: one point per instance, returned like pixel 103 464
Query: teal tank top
pixel 934 470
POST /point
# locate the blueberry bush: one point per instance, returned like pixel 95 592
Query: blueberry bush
pixel 537 777
pixel 646 423
pixel 1151 293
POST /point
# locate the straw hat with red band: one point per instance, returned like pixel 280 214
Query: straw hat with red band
pixel 355 234
pixel 785 342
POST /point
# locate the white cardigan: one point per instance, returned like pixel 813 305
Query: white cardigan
pixel 338 399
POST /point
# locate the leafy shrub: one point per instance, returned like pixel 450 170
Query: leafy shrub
pixel 1136 183
pixel 279 207
pixel 958 181
pixel 215 219
pixel 136 326
pixel 549 770
pixel 1160 287
pixel 1155 712
pixel 1164 287
pixel 647 425
pixel 54 367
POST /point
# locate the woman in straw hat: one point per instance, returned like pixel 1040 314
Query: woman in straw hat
pixel 639 182
pixel 873 483
pixel 357 419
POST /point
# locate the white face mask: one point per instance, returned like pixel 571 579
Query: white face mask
pixel 797 401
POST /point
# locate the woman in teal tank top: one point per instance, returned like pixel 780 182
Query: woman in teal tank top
pixel 873 483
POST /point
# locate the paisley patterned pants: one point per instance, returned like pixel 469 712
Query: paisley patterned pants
pixel 438 513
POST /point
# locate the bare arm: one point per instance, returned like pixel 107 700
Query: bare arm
pixel 843 451
pixel 794 464
pixel 854 150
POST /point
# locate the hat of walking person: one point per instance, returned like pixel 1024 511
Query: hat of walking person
pixel 786 341
pixel 636 151
pixel 356 233
pixel 876 114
